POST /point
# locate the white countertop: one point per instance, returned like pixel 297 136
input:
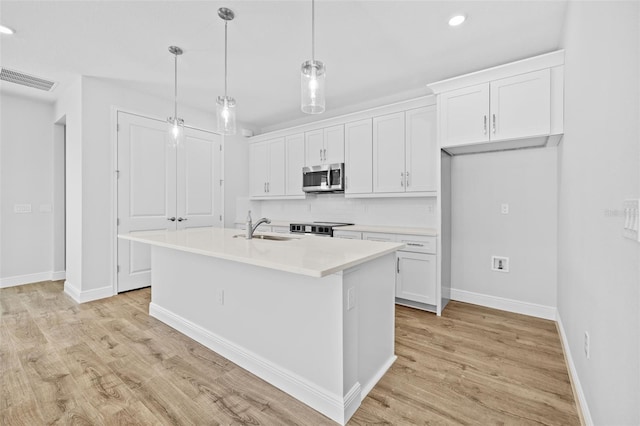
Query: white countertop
pixel 306 255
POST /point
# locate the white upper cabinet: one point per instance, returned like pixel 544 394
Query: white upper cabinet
pixel 324 146
pixel 421 149
pixel 294 158
pixel 516 105
pixel 388 153
pixel 520 106
pixel 464 115
pixel 358 153
pixel 509 108
pixel 405 149
pixel 267 168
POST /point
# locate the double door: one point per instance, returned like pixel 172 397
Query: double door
pixel 324 146
pixel 162 186
pixel 267 168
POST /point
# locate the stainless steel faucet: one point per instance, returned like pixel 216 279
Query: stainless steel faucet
pixel 252 229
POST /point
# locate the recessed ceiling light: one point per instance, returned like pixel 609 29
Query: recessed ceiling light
pixel 457 20
pixel 6 30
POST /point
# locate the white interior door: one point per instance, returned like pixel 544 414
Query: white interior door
pixel 199 190
pixel 161 186
pixel 146 192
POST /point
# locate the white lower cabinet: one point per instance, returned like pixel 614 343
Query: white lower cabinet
pixel 416 277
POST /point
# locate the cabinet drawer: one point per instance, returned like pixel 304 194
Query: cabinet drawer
pixel 378 236
pixel 418 243
pixel 349 235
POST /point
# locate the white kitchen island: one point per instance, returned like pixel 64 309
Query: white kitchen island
pixel 314 316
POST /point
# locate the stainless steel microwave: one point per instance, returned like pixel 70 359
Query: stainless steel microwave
pixel 325 178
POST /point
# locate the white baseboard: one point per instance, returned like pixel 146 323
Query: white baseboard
pixel 31 278
pixel 509 305
pixel 583 407
pixel 87 295
pixel 336 407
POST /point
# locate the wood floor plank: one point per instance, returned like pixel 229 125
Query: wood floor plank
pixel 107 362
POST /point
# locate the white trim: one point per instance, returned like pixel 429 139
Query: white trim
pixel 332 405
pixel 504 304
pixel 547 60
pixel 31 278
pixel 367 387
pixel 87 295
pixel 583 407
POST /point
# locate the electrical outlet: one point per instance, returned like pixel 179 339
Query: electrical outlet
pixel 351 298
pixel 500 263
pixel 587 343
pixel 504 208
pixel 220 296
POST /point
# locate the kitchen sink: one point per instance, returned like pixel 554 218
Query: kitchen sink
pixel 265 237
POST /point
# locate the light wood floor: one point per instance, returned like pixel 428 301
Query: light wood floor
pixel 108 362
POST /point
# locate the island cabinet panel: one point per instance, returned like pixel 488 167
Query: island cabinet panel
pixel 358 153
pixel 388 153
pixel 294 157
pixel 421 149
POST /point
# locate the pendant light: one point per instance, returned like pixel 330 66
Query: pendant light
pixel 176 125
pixel 226 105
pixel 312 77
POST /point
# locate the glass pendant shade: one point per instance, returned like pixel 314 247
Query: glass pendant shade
pixel 226 113
pixel 175 130
pixel 312 87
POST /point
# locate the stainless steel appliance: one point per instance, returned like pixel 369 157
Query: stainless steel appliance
pixel 316 228
pixel 325 178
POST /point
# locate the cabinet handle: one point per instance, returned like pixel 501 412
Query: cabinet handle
pixel 485 124
pixel 180 219
pixel 398 265
pixel 415 244
pixel 268 185
pixel 407 179
pixel 321 155
pixel 172 219
pixel 402 180
pixel 264 187
pixel 325 154
pixel 494 124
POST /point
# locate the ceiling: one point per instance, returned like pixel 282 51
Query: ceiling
pixel 375 51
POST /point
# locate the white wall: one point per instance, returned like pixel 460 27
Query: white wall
pixel 411 212
pixel 26 171
pixel 598 275
pixel 526 180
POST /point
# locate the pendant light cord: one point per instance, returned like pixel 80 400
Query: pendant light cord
pixel 225 58
pixel 313 31
pixel 175 85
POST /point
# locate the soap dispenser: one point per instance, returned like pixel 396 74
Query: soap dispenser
pixel 249 225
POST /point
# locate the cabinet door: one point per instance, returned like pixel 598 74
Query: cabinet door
pixel 464 116
pixel 294 158
pixel 275 183
pixel 388 153
pixel 416 277
pixel 521 106
pixel 421 149
pixel 314 148
pixel 258 169
pixel 333 145
pixel 358 153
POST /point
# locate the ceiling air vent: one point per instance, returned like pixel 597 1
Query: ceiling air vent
pixel 23 79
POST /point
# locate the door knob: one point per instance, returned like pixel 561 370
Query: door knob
pixel 172 219
pixel 180 219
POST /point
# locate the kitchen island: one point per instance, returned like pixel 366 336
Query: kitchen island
pixel 314 316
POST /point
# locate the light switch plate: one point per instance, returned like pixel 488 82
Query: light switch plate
pixel 631 219
pixel 22 208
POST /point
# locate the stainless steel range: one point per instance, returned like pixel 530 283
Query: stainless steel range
pixel 316 228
